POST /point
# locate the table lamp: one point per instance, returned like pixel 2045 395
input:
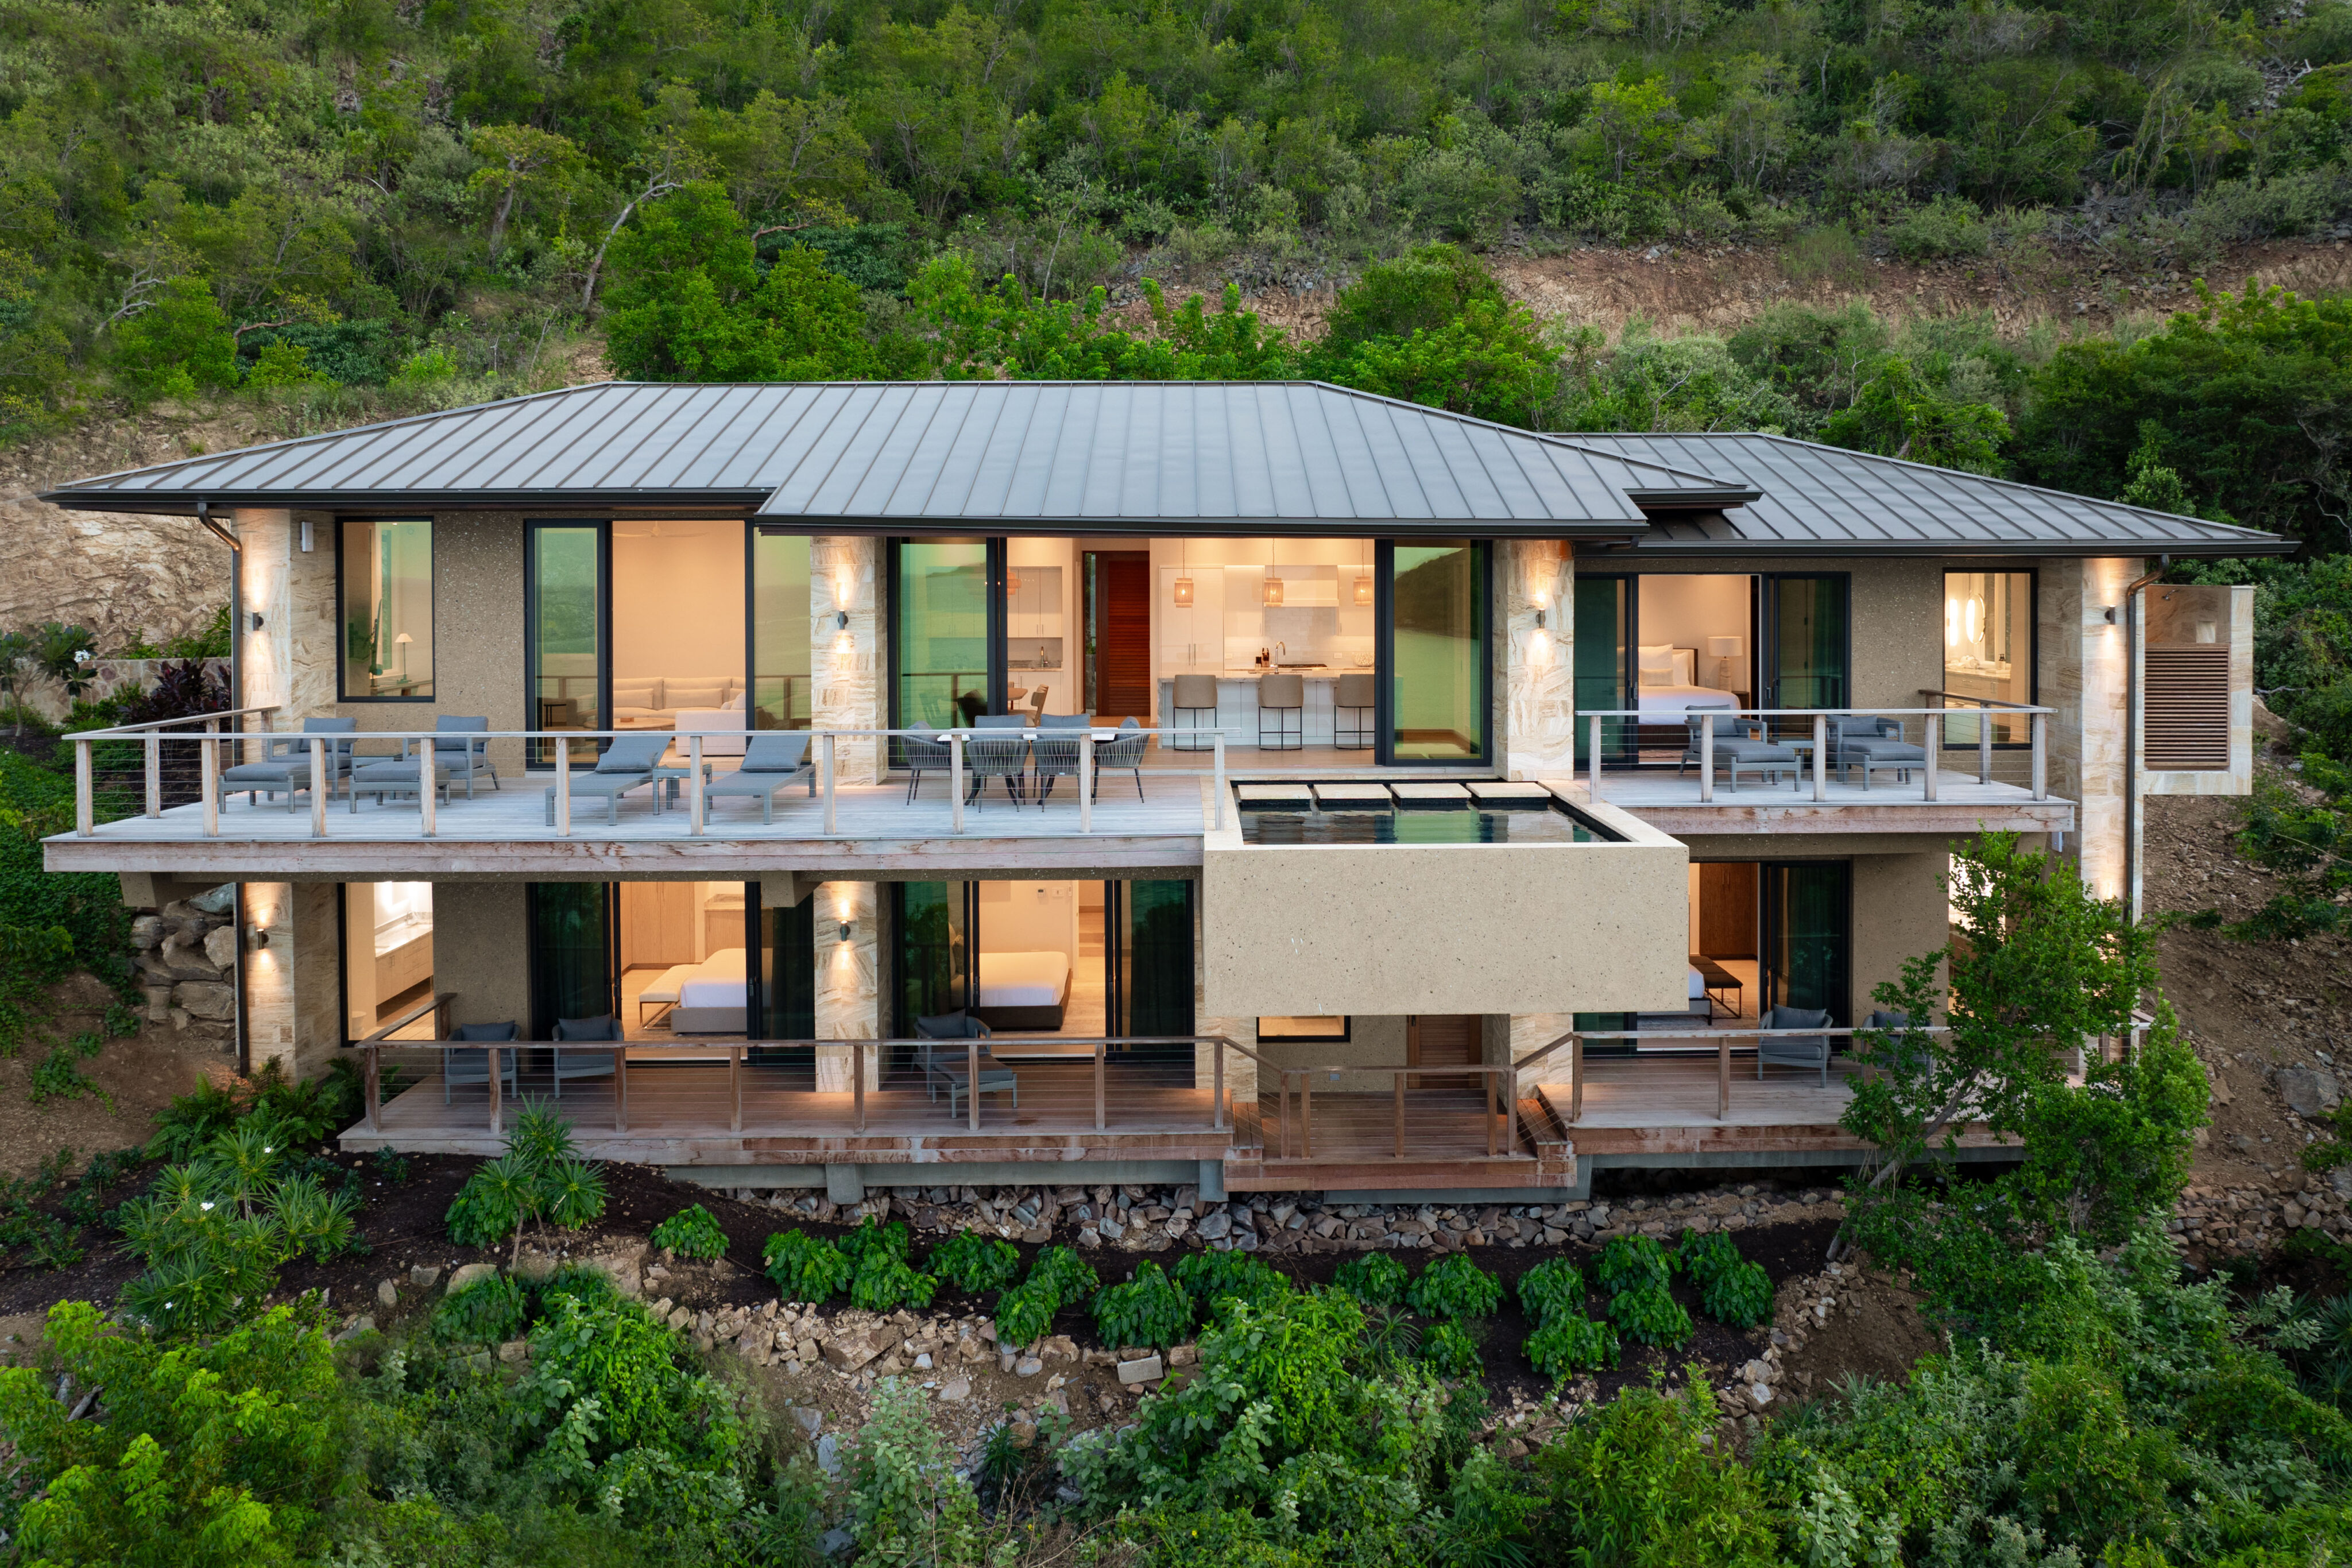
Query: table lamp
pixel 1723 650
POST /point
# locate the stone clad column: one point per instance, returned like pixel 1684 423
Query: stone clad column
pixel 845 664
pixel 848 980
pixel 2084 664
pixel 293 983
pixel 1537 699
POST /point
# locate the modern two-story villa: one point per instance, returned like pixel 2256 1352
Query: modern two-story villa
pixel 1261 784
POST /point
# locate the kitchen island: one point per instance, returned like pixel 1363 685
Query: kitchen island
pixel 1237 707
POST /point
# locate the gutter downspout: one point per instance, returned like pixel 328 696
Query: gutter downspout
pixel 236 700
pixel 2130 608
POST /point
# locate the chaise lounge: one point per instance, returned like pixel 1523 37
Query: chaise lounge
pixel 771 761
pixel 286 763
pixel 627 763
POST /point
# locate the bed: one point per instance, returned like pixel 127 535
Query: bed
pixel 713 996
pixel 1665 689
pixel 1023 990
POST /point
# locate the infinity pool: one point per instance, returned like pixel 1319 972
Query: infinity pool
pixel 1558 824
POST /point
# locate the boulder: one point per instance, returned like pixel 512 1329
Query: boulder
pixel 425 1276
pixel 207 999
pixel 2309 1090
pixel 220 947
pixel 471 1274
pixel 515 1352
pixel 1214 1224
pixel 387 1294
pixel 850 1352
pixel 1146 1369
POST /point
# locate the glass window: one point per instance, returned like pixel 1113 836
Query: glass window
pixel 933 962
pixel 1323 1031
pixel 1805 636
pixel 781 608
pixel 387 598
pixel 788 972
pixel 1989 651
pixel 1807 937
pixel 941 608
pixel 1600 606
pixel 1437 600
pixel 567 633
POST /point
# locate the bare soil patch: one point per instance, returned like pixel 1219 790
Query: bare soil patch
pixel 139 1075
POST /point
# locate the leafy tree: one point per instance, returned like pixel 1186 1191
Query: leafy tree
pixel 1644 1480
pixel 1895 414
pixel 178 345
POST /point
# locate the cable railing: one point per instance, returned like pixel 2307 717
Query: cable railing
pixel 320 764
pixel 1763 741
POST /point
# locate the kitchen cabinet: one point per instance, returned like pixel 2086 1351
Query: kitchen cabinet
pixel 1191 636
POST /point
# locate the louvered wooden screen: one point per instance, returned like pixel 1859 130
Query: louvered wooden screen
pixel 2186 711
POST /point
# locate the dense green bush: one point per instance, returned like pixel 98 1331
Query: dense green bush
pixel 541 1179
pixel 872 1235
pixel 1550 1289
pixel 1627 1262
pixel 1643 1479
pixel 1450 1352
pixel 1215 1278
pixel 1149 1309
pixel 1740 1296
pixel 974 1263
pixel 1057 1277
pixel 691 1232
pixel 488 1311
pixel 1569 1342
pixel 883 1282
pixel 805 1267
pixel 1454 1287
pixel 1647 1313
pixel 1375 1279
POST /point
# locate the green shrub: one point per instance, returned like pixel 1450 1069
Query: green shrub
pixel 805 1267
pixel 1375 1279
pixel 315 1223
pixel 873 1235
pixel 1214 1278
pixel 692 1232
pixel 1069 1275
pixel 591 1287
pixel 906 1502
pixel 884 1282
pixel 1550 1289
pixel 1025 1312
pixel 1450 1352
pixel 1643 1479
pixel 608 1379
pixel 1454 1287
pixel 1571 1343
pixel 1647 1313
pixel 1702 1257
pixel 974 1263
pixel 1631 1260
pixel 488 1311
pixel 541 1179
pixel 1148 1310
pixel 1741 1296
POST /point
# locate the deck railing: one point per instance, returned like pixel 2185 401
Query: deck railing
pixel 1777 726
pixel 695 773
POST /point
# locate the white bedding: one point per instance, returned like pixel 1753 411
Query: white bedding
pixel 1697 986
pixel 1023 979
pixel 719 981
pixel 1662 704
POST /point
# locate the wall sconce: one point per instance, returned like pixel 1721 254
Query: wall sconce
pixel 1539 620
pixel 257 936
pixel 841 619
pixel 2114 614
pixel 843 592
pixel 257 619
pixel 845 929
pixel 306 536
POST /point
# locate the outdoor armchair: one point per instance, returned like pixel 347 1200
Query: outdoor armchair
pixel 948 1064
pixel 1057 748
pixel 285 765
pixel 1122 755
pixel 1794 1049
pixel 998 755
pixel 1736 749
pixel 923 755
pixel 585 1065
pixel 473 1066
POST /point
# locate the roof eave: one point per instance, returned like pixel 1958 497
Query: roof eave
pixel 1953 549
pixel 184 503
pixel 1215 528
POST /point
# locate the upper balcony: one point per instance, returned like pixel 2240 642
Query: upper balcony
pixel 1733 770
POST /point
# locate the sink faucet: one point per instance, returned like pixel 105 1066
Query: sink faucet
pixel 1281 651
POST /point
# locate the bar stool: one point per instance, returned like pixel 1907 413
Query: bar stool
pixel 1358 695
pixel 1194 694
pixel 1278 695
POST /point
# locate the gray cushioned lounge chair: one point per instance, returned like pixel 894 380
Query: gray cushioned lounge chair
pixel 462 750
pixel 948 1065
pixel 1735 750
pixel 1868 743
pixel 587 1063
pixel 471 1066
pixel 771 759
pixel 627 763
pixel 1794 1049
pixel 284 766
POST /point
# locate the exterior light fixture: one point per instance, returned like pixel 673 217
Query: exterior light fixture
pixel 841 619
pixel 257 619
pixel 306 536
pixel 1539 620
pixel 257 936
pixel 844 930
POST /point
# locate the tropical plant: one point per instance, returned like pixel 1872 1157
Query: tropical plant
pixel 882 1281
pixel 541 1179
pixel 1149 1309
pixel 691 1232
pixel 1740 1296
pixel 1215 1278
pixel 974 1263
pixel 1569 1342
pixel 1627 1261
pixel 1454 1287
pixel 488 1311
pixel 1450 1352
pixel 1375 1279
pixel 1552 1288
pixel 805 1267
pixel 1647 1313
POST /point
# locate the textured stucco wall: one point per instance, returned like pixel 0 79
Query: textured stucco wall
pixel 1899 913
pixel 481 950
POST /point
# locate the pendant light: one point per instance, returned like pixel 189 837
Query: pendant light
pixel 1273 583
pixel 1184 576
pixel 1364 577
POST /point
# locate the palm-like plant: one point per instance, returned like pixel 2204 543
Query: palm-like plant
pixel 540 1177
pixel 314 1220
pixel 247 1157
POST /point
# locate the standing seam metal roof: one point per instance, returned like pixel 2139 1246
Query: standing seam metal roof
pixel 1004 453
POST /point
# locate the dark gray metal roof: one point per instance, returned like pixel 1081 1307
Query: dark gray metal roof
pixel 1826 500
pixel 1012 456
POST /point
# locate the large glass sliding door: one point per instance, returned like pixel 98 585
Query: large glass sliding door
pixel 947 948
pixel 1151 926
pixel 947 656
pixel 572 957
pixel 1807 644
pixel 1807 936
pixel 569 635
pixel 1434 623
pixel 780 612
pixel 788 971
pixel 933 921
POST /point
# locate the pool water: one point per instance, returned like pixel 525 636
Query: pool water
pixel 1555 825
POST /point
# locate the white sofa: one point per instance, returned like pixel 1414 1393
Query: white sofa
pixel 712 705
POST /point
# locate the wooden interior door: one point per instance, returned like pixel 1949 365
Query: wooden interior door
pixel 1443 1040
pixel 657 923
pixel 1726 909
pixel 1123 635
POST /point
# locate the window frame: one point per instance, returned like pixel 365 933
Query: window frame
pixel 536 759
pixel 1384 654
pixel 432 609
pixel 1347 1033
pixel 2032 655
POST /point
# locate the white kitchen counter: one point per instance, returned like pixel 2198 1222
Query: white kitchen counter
pixel 1237 704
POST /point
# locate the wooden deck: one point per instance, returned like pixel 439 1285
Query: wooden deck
pixel 1666 1106
pixel 1962 805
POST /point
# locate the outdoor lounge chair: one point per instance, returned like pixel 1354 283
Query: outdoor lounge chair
pixel 1123 755
pixel 471 1066
pixel 1736 749
pixel 923 755
pixel 998 756
pixel 949 1065
pixel 286 763
pixel 1868 743
pixel 590 1063
pixel 771 759
pixel 627 763
pixel 1795 1050
pixel 459 757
